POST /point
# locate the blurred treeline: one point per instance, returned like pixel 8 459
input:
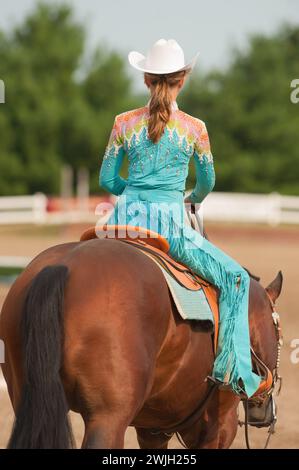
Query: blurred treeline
pixel 60 106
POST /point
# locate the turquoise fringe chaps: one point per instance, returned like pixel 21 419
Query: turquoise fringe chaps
pixel 163 212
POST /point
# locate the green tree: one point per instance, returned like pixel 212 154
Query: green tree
pixel 61 102
pixel 252 123
pixel 51 116
pixel 37 63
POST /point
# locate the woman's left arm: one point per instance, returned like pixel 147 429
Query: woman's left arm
pixel 109 177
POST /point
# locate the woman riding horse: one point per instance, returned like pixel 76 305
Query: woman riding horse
pixel 159 140
pixel 90 326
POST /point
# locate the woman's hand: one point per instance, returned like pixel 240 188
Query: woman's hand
pixel 194 206
pixel 187 200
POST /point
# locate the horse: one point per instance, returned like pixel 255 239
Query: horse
pixel 91 327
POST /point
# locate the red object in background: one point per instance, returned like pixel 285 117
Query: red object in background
pixel 58 204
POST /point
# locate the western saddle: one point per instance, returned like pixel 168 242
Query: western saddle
pixel 156 246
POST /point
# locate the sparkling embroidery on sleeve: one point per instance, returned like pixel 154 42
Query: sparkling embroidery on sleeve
pixel 109 177
pixel 204 165
pixel 115 142
pixel 202 148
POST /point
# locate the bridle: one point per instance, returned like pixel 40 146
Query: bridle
pixel 276 379
pixel 259 397
pixel 279 338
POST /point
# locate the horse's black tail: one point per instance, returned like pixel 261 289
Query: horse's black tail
pixel 42 415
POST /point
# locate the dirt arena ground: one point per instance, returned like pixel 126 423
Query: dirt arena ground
pixel 264 250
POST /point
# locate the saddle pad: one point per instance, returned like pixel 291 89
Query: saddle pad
pixel 191 305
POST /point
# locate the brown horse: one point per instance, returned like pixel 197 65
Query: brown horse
pixel 91 327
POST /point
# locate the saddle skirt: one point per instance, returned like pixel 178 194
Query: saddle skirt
pixel 156 247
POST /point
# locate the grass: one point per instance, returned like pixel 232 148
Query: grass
pixel 6 271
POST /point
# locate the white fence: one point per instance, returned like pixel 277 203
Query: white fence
pixel 23 209
pixel 270 208
pixel 33 210
pixel 18 262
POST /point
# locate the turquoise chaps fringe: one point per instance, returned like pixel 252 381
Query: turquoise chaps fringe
pixel 163 212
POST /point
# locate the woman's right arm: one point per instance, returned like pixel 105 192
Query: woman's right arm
pixel 204 167
pixel 109 177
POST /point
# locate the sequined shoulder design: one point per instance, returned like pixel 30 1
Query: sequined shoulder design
pixel 161 165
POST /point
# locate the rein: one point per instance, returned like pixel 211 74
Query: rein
pixel 191 419
pixel 260 398
pixel 276 378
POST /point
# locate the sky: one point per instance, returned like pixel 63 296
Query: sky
pixel 212 27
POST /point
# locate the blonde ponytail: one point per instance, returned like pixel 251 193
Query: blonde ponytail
pixel 160 103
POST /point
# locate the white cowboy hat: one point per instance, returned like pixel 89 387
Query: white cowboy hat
pixel 165 56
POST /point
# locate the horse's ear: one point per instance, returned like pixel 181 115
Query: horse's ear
pixel 274 288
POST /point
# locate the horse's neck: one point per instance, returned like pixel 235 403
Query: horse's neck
pixel 262 333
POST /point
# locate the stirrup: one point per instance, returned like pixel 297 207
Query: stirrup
pixel 261 414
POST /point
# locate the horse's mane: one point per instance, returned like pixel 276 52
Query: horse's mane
pixel 256 278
